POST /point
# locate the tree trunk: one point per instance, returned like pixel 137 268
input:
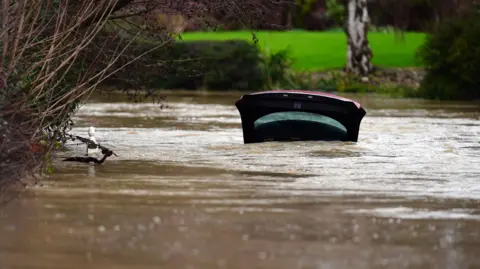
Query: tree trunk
pixel 286 19
pixel 359 54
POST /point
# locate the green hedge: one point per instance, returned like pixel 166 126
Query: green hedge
pixel 215 65
pixel 452 59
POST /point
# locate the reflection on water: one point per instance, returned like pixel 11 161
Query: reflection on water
pixel 185 192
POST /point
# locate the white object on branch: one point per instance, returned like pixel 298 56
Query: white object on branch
pixel 92 149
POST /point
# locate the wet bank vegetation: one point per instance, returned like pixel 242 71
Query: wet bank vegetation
pixel 54 53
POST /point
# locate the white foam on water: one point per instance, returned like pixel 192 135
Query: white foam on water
pixel 398 153
pixel 412 213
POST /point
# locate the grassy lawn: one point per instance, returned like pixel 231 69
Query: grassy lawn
pixel 316 51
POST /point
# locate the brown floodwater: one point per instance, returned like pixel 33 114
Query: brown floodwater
pixel 185 192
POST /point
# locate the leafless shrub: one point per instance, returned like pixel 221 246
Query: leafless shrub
pixel 41 43
pixel 211 13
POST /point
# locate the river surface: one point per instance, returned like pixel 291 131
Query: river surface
pixel 185 192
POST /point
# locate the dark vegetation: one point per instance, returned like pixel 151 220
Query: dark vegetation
pixel 319 15
pixel 192 65
pixel 451 56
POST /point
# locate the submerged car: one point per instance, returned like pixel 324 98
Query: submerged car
pixel 290 115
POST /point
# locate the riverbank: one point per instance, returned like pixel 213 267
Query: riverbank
pixel 391 82
pixel 403 82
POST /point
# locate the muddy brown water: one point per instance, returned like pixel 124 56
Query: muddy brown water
pixel 185 192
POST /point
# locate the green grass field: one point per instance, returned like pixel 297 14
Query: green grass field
pixel 316 51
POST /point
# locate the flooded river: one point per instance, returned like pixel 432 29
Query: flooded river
pixel 185 192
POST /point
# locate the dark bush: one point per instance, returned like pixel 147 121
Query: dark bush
pixel 215 65
pixel 230 65
pixel 451 56
pixel 276 69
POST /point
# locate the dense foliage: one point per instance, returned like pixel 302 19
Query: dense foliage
pixel 452 59
pixel 215 65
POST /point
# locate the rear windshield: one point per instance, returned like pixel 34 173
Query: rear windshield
pixel 298 125
pixel 298 116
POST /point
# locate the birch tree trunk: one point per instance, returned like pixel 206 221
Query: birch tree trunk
pixel 359 54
